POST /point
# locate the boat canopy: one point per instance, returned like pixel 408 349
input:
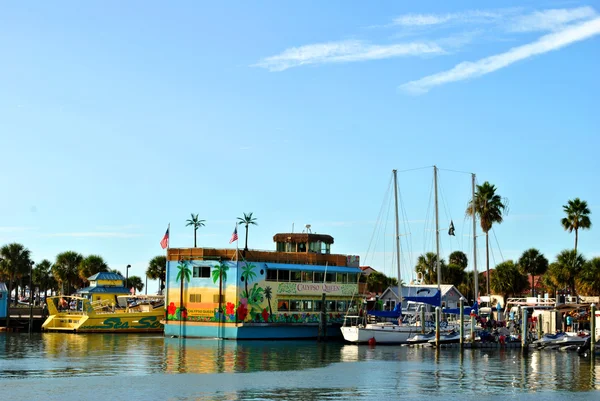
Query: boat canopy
pixel 468 309
pixel 397 312
pixel 434 299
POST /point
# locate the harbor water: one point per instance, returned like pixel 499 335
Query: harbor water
pixel 57 366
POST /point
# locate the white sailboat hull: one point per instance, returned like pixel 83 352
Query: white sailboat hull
pixel 382 333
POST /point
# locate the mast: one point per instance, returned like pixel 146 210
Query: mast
pixel 437 234
pixel 475 275
pixel 397 236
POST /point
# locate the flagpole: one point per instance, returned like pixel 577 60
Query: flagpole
pixel 237 269
pixel 167 273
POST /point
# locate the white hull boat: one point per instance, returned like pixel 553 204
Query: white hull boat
pixel 380 333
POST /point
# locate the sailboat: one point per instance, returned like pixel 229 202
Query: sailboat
pixel 356 331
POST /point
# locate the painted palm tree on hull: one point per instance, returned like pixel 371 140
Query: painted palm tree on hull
pixel 268 296
pixel 577 217
pixel 220 273
pixel 183 273
pixel 489 207
pixel 246 221
pixel 196 223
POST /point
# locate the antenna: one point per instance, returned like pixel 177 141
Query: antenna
pixel 308 228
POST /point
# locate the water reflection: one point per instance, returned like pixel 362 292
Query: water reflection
pixel 287 370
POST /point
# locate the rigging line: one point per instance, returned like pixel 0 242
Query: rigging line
pixel 455 171
pixel 425 225
pixel 497 243
pixel 377 222
pixel 446 208
pixel 414 169
pixel 407 225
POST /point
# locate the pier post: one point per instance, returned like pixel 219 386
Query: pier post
pixel 437 326
pixel 462 321
pixel 472 327
pixel 422 320
pixel 540 326
pixel 322 322
pixel 592 328
pixel 524 328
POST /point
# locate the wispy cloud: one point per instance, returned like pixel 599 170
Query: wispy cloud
pixel 467 70
pixel 427 20
pixel 95 234
pixel 549 20
pixel 344 51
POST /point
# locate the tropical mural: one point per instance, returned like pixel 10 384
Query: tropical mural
pixel 236 292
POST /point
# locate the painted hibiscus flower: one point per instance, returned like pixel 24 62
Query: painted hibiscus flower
pixel 229 308
pixel 242 310
pixel 171 308
pixel 184 313
pixel 265 315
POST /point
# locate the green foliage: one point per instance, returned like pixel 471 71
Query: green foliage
pixel 255 298
pixel 135 282
pixel 508 280
pixel 15 261
pixel 453 274
pixel 426 266
pixel 220 271
pixel 565 270
pixel 65 269
pixel 534 263
pixel 458 258
pixel 378 282
pixel 577 217
pixel 43 277
pixel 157 270
pixel 588 281
pixel 91 265
pixel 196 223
pixel 248 274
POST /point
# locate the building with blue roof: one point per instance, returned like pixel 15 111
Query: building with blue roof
pixel 104 285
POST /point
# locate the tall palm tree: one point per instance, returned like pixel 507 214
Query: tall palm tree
pixel 65 269
pixel 42 276
pixel 15 260
pixel 91 265
pixel 509 280
pixel 577 217
pixel 588 281
pixel 196 223
pixel 534 263
pixel 220 273
pixel 157 270
pixel 247 220
pixel 136 282
pixel 489 206
pixel 458 258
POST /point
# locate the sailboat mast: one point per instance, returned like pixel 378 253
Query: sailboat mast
pixel 397 236
pixel 475 275
pixel 437 233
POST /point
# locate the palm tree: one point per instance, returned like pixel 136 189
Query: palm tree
pixel 157 271
pixel 453 274
pixel 248 274
pixel 489 206
pixel 426 266
pixel 184 272
pixel 269 295
pixel 247 220
pixel 196 223
pixel 509 280
pixel 588 281
pixel 15 260
pixel 458 258
pixel 567 267
pixel 577 217
pixel 220 273
pixel 42 276
pixel 91 265
pixel 534 263
pixel 65 268
pixel 135 282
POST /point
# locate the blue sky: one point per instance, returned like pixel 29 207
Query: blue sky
pixel 117 119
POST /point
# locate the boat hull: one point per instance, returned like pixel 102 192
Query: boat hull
pixel 384 334
pixel 109 323
pixel 252 331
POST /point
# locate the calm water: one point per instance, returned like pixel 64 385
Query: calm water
pixel 141 367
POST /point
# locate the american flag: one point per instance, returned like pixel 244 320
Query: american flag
pixel 165 241
pixel 234 236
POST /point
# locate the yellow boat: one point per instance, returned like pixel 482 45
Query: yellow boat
pixel 122 314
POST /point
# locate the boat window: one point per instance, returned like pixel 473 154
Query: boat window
pixel 302 247
pixel 296 276
pixel 341 306
pixel 390 304
pixel 307 277
pixel 281 247
pixel 289 247
pixel 352 278
pixel 330 277
pixel 295 306
pixel 307 306
pixel 330 306
pixel 282 305
pixel 283 275
pixel 342 278
pixel 318 277
pixel 201 272
pixel 315 247
pixel 318 306
pixel 271 275
pixel 195 297
pixel 325 248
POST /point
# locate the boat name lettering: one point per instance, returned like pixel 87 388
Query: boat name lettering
pixel 318 287
pixel 148 322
